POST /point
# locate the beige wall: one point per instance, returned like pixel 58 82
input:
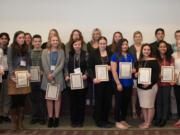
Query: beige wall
pixel 127 16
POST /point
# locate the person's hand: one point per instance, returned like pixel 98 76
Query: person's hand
pixel 160 76
pixel 67 78
pixel 41 72
pixel 136 74
pixel 133 70
pixel 53 82
pixel 145 85
pixel 2 72
pixel 50 77
pixel 84 77
pixel 109 68
pixel 119 87
pixel 15 80
pixel 96 81
pixel 28 76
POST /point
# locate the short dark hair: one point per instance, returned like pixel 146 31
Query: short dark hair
pixel 159 29
pixel 36 36
pixel 102 37
pixel 177 31
pixel 5 34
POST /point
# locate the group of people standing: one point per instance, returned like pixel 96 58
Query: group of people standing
pixel 57 61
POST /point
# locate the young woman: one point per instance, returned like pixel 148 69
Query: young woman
pixel 75 34
pixel 53 63
pixel 5 99
pixel 116 37
pixel 147 92
pixel 103 91
pixel 28 40
pixel 176 56
pixel 52 32
pixel 93 44
pixel 135 51
pixel 77 59
pixel 122 87
pixel 18 60
pixel 164 88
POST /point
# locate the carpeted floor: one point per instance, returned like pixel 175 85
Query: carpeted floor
pixel 88 129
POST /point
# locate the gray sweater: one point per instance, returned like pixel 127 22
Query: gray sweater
pixel 57 73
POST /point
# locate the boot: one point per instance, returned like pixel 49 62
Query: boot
pixel 14 118
pixel 20 118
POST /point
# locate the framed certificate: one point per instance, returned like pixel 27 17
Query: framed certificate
pixel 102 72
pixel 35 74
pixel 22 80
pixel 52 91
pixel 125 70
pixel 168 73
pixel 76 81
pixel 178 81
pixel 4 63
pixel 144 76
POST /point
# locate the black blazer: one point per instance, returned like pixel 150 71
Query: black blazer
pixel 95 59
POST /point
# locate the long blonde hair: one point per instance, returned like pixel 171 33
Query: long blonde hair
pixel 49 43
pixel 98 30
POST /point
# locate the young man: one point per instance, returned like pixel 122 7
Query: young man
pixel 159 34
pixel 177 37
pixel 37 95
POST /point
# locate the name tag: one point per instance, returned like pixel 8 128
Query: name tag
pixel 23 63
pixel 77 70
pixel 53 67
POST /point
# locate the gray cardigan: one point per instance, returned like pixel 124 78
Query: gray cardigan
pixel 57 73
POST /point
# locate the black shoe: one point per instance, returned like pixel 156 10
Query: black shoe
pixel 74 125
pixel 6 119
pixel 56 122
pixel 108 124
pixel 50 122
pixel 33 121
pixel 42 122
pixel 80 124
pixel 162 123
pixel 157 122
pixel 100 124
pixel 1 119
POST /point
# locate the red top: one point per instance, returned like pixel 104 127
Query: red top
pixel 165 63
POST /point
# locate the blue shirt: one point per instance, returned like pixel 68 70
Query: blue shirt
pixel 129 58
pixel 53 58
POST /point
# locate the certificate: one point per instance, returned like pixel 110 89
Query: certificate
pixel 102 72
pixel 178 81
pixel 52 91
pixel 35 74
pixel 167 73
pixel 4 63
pixel 76 81
pixel 125 70
pixel 144 76
pixel 22 80
pixel 0 78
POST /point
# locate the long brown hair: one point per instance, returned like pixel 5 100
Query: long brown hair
pixel 56 34
pixel 98 30
pixel 114 44
pixel 18 50
pixel 71 37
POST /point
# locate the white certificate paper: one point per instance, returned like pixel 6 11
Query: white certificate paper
pixel 76 81
pixel 35 74
pixel 4 63
pixel 168 73
pixel 52 91
pixel 22 80
pixel 102 72
pixel 144 76
pixel 125 70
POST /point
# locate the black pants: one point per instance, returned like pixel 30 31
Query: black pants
pixel 103 99
pixel 77 105
pixel 163 102
pixel 122 100
pixel 38 102
pixel 18 101
pixel 177 95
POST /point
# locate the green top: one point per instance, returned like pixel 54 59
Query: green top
pixel 36 58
